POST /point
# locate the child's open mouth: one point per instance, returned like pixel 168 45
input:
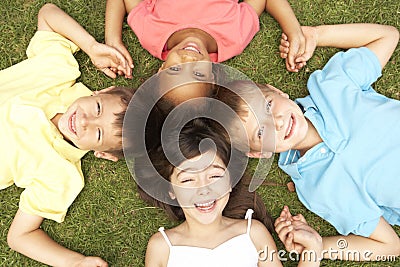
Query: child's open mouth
pixel 290 128
pixel 206 206
pixel 72 123
pixel 192 47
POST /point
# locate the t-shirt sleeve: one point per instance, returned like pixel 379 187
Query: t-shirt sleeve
pixel 46 42
pixel 344 83
pixel 51 194
pixel 357 68
pixel 50 63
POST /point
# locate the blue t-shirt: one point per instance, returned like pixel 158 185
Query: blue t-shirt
pixel 352 177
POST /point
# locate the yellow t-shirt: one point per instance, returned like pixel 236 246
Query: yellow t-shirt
pixel 34 154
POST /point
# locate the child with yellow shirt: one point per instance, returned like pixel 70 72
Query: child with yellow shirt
pixel 48 123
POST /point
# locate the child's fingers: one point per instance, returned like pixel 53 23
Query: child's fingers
pixel 283 227
pixel 109 73
pixel 289 244
pixel 125 69
pixel 284 43
pixel 300 217
pixel 289 67
pixel 288 214
pixel 283 51
pixel 279 220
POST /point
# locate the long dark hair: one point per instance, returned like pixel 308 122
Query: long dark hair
pixel 190 136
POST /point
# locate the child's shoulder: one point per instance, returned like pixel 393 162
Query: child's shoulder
pixel 157 248
pixel 260 235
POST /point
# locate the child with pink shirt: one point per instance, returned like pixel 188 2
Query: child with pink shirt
pixel 210 30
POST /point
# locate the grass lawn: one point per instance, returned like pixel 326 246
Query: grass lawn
pixel 108 219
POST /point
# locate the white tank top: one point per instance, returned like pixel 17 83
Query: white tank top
pixel 237 251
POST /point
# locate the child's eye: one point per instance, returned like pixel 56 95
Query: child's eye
pixel 268 106
pixel 98 108
pixel 198 74
pixel 260 132
pixel 174 68
pixel 98 135
pixel 217 176
pixel 186 180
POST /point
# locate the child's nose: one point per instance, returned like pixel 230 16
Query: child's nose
pixel 203 186
pixel 188 58
pixel 278 123
pixel 203 190
pixel 86 120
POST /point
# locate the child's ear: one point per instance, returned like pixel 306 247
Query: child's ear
pixel 105 155
pixel 273 88
pixel 105 90
pixel 259 155
pixel 171 195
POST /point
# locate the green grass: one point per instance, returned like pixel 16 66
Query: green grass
pixel 108 219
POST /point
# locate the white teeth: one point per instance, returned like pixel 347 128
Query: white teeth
pixel 204 204
pixel 190 48
pixel 73 126
pixel 289 129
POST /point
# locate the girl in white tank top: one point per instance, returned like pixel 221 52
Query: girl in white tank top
pixel 202 187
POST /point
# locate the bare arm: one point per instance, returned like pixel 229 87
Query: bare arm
pixel 26 237
pixel 283 13
pixel 157 252
pixel 264 244
pixel 104 57
pixel 381 39
pixel 382 242
pixel 114 19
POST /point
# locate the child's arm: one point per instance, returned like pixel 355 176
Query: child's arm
pixel 265 245
pixel 157 251
pixel 283 13
pixel 26 237
pixel 383 241
pixel 114 19
pixel 381 39
pixel 104 57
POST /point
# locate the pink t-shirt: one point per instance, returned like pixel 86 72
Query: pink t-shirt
pixel 232 24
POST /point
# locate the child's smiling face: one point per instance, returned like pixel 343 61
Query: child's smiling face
pixel 201 186
pixel 87 123
pixel 274 123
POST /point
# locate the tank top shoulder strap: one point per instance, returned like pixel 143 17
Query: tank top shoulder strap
pixel 161 230
pixel 248 216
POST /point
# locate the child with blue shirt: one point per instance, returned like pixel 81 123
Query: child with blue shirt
pixel 48 123
pixel 340 144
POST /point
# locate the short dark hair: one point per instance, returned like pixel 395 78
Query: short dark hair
pixel 125 95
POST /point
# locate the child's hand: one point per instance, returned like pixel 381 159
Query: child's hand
pixel 110 61
pixel 292 47
pixel 305 235
pixel 284 228
pixel 91 262
pixel 296 234
pixel 122 49
pixel 285 48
